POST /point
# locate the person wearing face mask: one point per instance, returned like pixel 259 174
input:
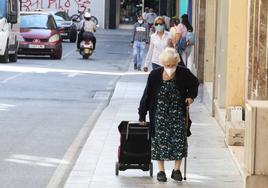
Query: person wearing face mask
pixel 140 37
pixel 158 42
pixel 168 91
pixel 150 17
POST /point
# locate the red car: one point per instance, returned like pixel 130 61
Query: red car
pixel 39 35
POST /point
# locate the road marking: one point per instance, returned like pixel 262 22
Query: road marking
pixel 67 54
pixel 35 160
pixel 74 74
pixel 11 78
pixel 63 57
pixel 5 107
pixel 102 95
pixel 53 70
pixel 63 170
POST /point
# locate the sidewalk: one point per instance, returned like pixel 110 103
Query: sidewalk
pixel 210 164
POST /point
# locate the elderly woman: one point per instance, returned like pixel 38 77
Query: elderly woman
pixel 169 89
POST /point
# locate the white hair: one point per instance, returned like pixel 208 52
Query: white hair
pixel 169 55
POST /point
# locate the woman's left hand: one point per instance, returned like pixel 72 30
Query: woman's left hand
pixel 189 101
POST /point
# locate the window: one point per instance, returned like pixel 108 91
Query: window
pixel 37 21
pixel 2 9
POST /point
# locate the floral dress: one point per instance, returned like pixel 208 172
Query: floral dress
pixel 169 141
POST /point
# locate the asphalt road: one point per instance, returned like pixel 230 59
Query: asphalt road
pixel 44 104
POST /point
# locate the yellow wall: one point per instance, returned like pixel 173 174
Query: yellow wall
pixel 221 52
pixel 236 53
pixel 209 59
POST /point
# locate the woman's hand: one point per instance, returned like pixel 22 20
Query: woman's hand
pixel 142 123
pixel 189 101
pixel 145 69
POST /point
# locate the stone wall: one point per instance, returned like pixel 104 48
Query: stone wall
pixel 257 59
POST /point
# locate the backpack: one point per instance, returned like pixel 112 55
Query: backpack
pixel 181 45
pixel 190 37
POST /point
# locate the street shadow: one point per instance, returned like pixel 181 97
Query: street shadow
pixel 34 57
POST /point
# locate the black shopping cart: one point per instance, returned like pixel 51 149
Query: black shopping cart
pixel 134 151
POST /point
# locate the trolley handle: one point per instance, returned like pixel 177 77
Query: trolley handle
pixel 135 128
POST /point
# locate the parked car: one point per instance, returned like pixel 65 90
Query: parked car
pixel 39 35
pixel 9 30
pixel 68 27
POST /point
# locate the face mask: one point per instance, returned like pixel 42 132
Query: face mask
pixel 170 71
pixel 159 28
pixel 140 21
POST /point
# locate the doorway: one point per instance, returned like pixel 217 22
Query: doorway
pixel 129 9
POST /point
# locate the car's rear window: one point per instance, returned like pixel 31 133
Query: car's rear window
pixel 58 18
pixel 37 21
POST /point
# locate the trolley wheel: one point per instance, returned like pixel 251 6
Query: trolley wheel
pixel 151 169
pixel 116 168
pixel 185 178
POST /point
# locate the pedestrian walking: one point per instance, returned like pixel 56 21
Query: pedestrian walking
pixel 150 17
pixel 144 15
pixel 173 28
pixel 168 91
pixel 167 22
pixel 158 42
pixel 140 38
pixel 183 29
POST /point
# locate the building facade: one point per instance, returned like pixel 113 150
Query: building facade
pixel 111 13
pixel 231 61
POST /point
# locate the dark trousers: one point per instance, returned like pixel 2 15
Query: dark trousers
pixel 80 38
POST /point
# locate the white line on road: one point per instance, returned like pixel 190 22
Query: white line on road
pixel 67 54
pixel 63 57
pixel 11 78
pixel 63 170
pixel 47 70
pixel 73 74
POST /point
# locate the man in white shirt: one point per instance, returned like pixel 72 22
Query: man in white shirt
pixel 144 15
pixel 150 17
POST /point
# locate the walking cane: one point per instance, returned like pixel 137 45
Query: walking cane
pixel 186 122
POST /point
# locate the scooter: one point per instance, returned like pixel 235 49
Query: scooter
pixel 86 45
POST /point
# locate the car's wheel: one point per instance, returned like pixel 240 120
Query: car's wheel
pixel 116 168
pixel 4 58
pixel 14 57
pixel 58 53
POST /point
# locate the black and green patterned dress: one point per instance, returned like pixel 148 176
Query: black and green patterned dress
pixel 169 142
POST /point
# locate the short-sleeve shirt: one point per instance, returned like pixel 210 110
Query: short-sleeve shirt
pixel 157 46
pixel 89 26
pixel 182 30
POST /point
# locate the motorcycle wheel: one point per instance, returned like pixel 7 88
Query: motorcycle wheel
pixel 76 17
pixel 86 56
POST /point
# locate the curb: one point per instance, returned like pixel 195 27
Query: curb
pixel 62 172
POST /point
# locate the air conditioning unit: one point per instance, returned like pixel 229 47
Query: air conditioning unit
pixel 234 113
